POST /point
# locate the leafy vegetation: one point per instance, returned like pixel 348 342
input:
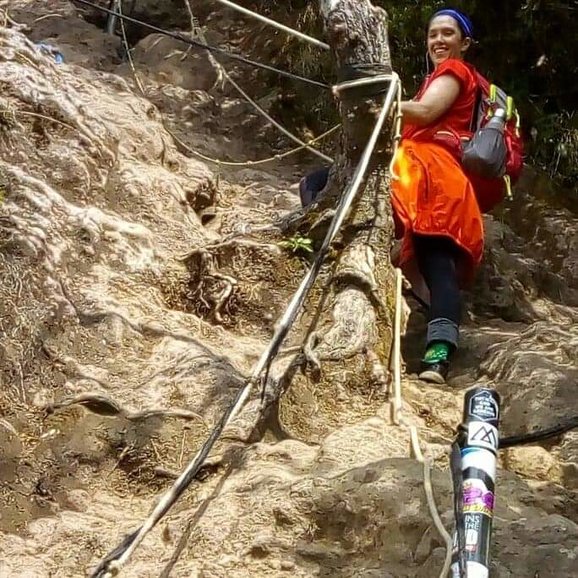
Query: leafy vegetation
pixel 297 244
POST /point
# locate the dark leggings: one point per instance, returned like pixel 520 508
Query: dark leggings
pixel 436 258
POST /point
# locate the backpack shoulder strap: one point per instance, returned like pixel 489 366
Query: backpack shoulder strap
pixel 477 112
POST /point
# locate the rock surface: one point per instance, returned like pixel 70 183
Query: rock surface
pixel 98 208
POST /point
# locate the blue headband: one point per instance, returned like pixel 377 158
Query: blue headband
pixel 463 21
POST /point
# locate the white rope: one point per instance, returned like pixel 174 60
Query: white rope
pixel 398 419
pixel 276 24
pixel 397 351
pixel 366 80
pixel 431 502
pixel 251 163
pixel 396 137
pixel 436 518
pixel 283 326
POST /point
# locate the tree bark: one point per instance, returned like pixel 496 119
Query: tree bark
pixel 348 344
pixel 363 283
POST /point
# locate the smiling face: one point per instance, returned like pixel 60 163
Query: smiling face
pixel 445 40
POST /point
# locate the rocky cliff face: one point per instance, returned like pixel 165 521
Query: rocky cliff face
pixel 112 370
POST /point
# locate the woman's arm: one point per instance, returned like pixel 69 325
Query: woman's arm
pixel 436 100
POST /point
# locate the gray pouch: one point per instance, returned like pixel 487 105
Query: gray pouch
pixel 486 153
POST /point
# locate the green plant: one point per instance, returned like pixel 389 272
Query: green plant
pixel 554 146
pixel 298 243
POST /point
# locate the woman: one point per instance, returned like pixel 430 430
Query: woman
pixel 434 203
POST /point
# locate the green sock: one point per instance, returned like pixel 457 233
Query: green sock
pixel 436 352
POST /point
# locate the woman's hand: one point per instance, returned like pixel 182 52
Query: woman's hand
pixel 436 101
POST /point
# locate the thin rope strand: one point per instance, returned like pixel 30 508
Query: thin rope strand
pixel 397 350
pixel 276 24
pixel 277 157
pixel 434 513
pixel 128 52
pixel 414 437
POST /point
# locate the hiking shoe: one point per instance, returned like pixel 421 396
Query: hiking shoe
pixel 435 364
pixel 434 372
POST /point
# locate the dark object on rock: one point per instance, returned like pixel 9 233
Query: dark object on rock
pixel 52 51
pixel 312 184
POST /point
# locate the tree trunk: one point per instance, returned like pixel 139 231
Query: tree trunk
pixel 364 278
pixel 350 332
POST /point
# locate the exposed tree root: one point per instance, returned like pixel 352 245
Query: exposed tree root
pixel 105 406
pixel 213 288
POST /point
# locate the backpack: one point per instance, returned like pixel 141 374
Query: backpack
pixel 493 160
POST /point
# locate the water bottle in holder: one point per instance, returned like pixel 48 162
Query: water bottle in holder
pixel 485 154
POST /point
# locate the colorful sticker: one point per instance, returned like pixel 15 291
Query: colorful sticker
pixel 477 499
